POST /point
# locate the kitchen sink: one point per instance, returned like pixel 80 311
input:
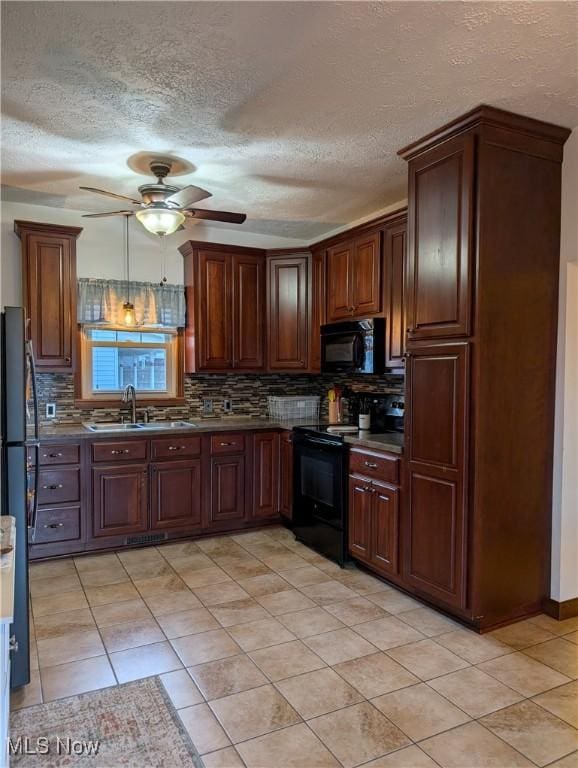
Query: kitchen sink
pixel 166 425
pixel 112 426
pixel 115 426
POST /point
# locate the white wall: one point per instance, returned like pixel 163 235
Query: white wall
pixel 100 246
pixel 564 584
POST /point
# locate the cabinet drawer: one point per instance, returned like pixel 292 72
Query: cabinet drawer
pixel 58 485
pixel 227 443
pixel 119 450
pixel 62 524
pixel 59 454
pixel 175 447
pixel 375 465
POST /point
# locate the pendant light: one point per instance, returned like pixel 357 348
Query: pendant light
pixel 128 314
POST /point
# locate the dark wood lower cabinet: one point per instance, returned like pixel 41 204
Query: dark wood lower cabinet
pixel 119 500
pixel 265 475
pixel 176 495
pixel 286 476
pixel 227 497
pixel 374 524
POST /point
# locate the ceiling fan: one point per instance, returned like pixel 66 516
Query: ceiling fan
pixel 164 207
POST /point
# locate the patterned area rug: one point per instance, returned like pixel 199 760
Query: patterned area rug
pixel 134 724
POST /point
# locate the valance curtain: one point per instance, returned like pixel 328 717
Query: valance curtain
pixel 100 301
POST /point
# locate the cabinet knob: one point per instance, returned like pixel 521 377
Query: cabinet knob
pixel 67 359
pixel 54 525
pixel 52 487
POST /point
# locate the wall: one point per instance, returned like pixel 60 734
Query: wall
pixel 248 394
pixel 100 246
pixel 564 583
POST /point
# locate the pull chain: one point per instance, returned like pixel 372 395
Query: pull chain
pixel 163 247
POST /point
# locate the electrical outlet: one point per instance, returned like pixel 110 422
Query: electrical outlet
pixel 227 405
pixel 50 410
pixel 207 405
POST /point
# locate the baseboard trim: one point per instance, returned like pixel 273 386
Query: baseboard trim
pixel 567 609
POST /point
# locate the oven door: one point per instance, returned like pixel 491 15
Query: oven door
pixel 343 352
pixel 318 483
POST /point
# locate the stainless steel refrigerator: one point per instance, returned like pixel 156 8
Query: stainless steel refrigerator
pixel 20 449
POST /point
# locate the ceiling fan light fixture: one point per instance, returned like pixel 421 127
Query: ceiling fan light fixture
pixel 160 221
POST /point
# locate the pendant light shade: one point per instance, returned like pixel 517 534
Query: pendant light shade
pixel 160 221
pixel 128 314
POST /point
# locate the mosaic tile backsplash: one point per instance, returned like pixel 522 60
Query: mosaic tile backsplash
pixel 248 394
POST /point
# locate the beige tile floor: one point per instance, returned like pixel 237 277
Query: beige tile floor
pixel 277 658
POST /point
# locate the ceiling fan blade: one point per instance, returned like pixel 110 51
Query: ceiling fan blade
pixel 111 213
pixel 111 194
pixel 201 213
pixel 188 196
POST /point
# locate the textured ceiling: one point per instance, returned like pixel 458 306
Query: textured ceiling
pixel 292 112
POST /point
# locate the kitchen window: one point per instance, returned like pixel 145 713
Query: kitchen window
pixel 114 358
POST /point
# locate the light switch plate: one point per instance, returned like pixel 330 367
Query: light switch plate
pixel 227 405
pixel 50 410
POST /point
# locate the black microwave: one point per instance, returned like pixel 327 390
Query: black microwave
pixel 353 347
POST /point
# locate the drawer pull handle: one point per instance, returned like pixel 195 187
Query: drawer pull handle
pixel 118 451
pixel 52 487
pixel 176 447
pixel 224 444
pixel 51 455
pixel 362 490
pixel 54 525
pixel 370 464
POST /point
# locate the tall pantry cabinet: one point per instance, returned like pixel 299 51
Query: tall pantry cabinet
pixel 482 300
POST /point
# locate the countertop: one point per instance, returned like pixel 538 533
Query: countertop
pixel 392 442
pixel 7 539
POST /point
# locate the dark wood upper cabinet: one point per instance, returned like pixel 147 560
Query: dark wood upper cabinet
pixel 266 457
pixel 354 278
pixel 249 312
pixel 318 308
pixel 225 290
pixel 339 282
pixel 176 495
pixel 288 300
pixel 440 231
pixel 119 500
pixel 49 292
pixel 395 245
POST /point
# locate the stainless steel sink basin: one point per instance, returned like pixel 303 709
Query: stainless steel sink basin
pixel 112 426
pixel 166 425
pixel 115 426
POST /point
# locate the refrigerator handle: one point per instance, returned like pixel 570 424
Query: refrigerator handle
pixel 32 364
pixel 32 518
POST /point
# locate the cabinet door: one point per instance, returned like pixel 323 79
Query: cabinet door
pixel 339 282
pixel 214 333
pixel 394 266
pixel 265 475
pixel 288 313
pixel 365 275
pixel 318 300
pixel 50 287
pixel 440 223
pixel 435 522
pixel 119 500
pixel 249 312
pixel 360 518
pixel 385 528
pixel 227 490
pixel 176 495
pixel 286 476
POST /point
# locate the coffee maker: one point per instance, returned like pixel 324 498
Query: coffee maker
pixel 386 410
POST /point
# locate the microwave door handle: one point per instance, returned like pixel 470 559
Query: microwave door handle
pixel 358 351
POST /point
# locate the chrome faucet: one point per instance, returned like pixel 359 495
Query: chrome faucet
pixel 129 395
